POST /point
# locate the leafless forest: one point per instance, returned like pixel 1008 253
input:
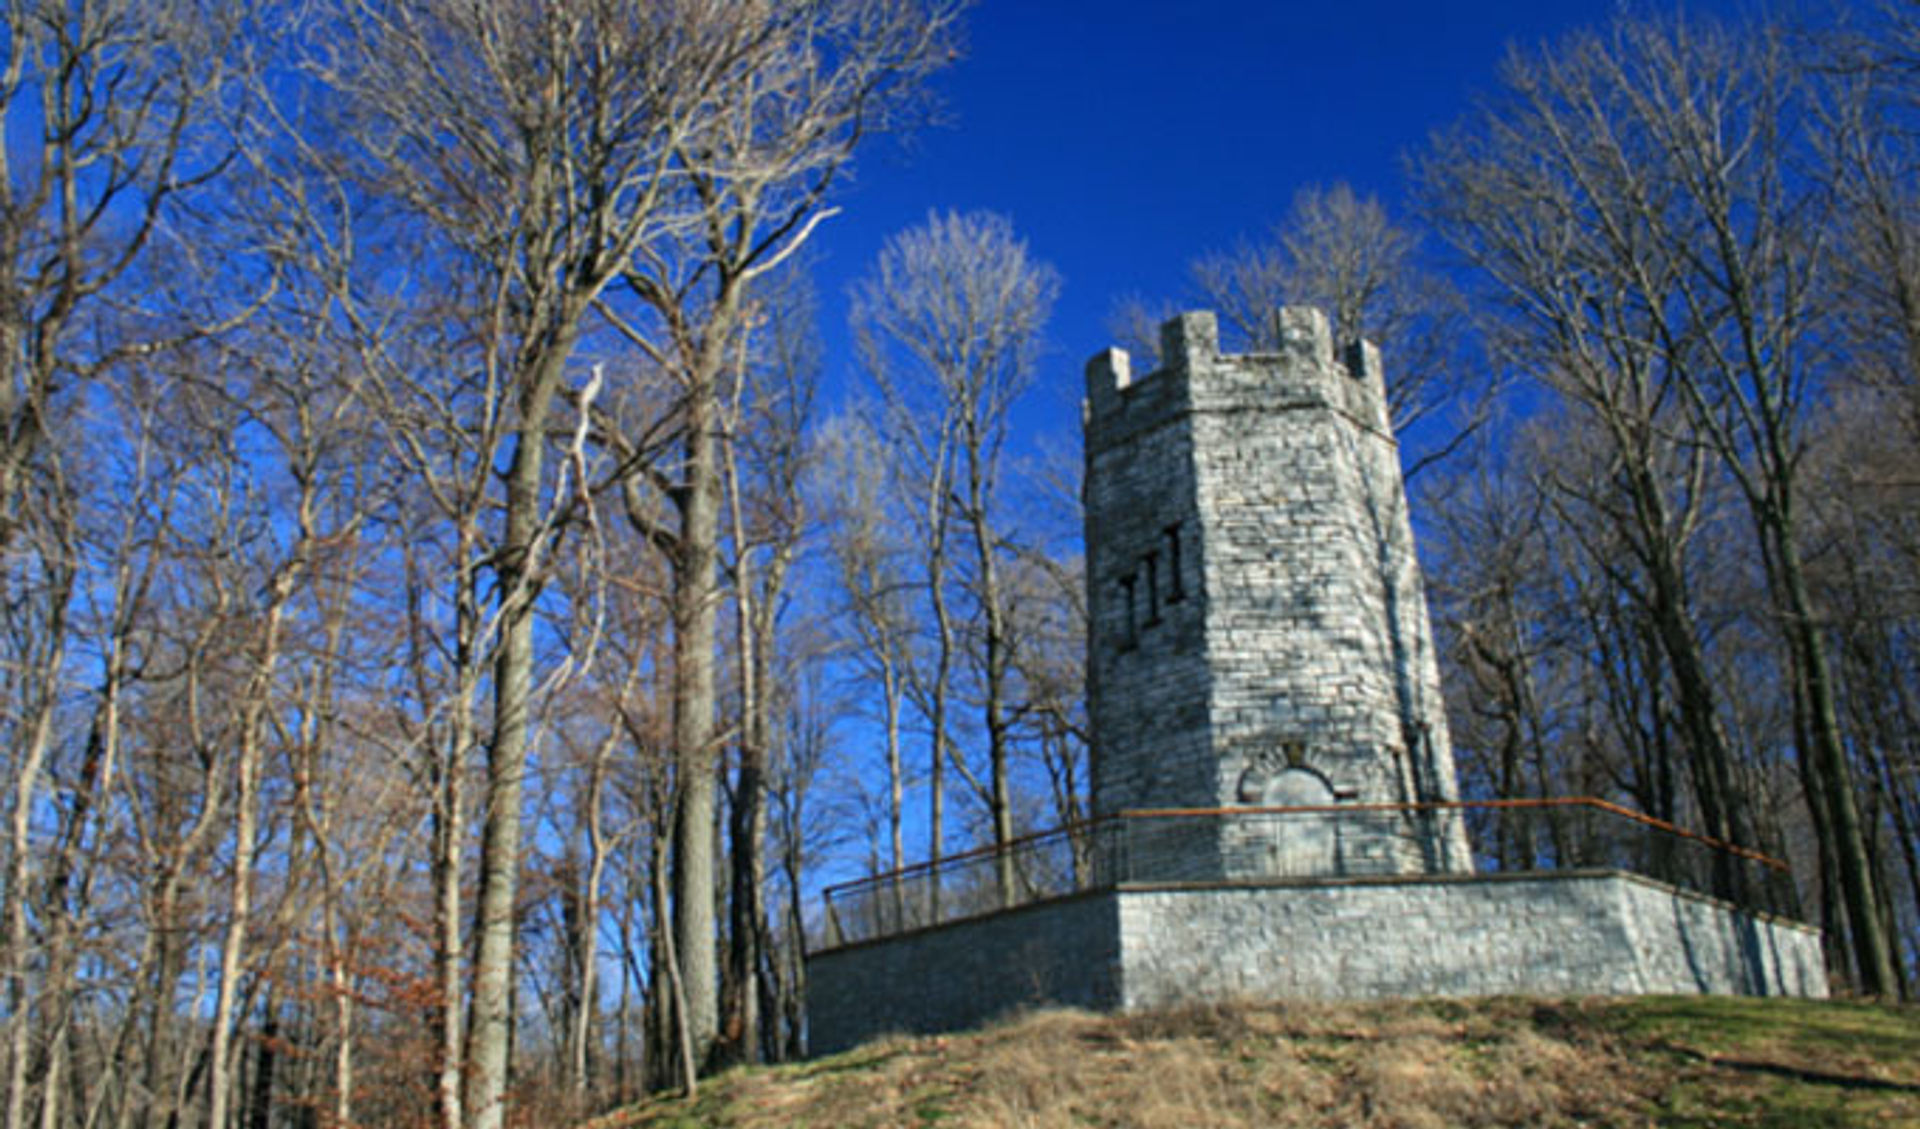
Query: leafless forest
pixel 447 634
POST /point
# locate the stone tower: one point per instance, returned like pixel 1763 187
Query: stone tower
pixel 1259 637
pixel 1259 642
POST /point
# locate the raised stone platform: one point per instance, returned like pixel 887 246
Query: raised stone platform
pixel 1596 932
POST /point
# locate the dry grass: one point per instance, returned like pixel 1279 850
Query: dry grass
pixel 1425 1065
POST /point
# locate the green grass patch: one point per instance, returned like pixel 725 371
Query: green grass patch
pixel 1816 1027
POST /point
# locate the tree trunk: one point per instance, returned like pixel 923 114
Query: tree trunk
pixel 32 758
pixel 794 994
pixel 1873 955
pixel 673 1000
pixel 746 830
pixel 695 615
pixel 490 1023
pixel 260 1107
pixel 165 959
pixel 582 1038
pixel 896 786
pixel 449 829
pixel 996 645
pixel 746 821
pixel 341 990
pixel 757 603
pixel 246 830
pixel 937 719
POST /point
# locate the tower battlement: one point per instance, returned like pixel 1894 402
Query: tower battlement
pixel 1308 371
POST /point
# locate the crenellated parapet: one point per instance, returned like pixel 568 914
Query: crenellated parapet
pixel 1306 372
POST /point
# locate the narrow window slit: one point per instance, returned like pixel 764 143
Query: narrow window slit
pixel 1152 562
pixel 1176 587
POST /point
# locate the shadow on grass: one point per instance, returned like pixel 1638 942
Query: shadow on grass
pixel 855 1061
pixel 1889 1034
pixel 1797 1073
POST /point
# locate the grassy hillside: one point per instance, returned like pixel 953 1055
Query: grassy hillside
pixel 1615 1062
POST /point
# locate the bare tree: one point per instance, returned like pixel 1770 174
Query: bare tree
pixel 1494 606
pixel 949 323
pixel 871 566
pixel 1868 115
pixel 802 825
pixel 1862 511
pixel 540 147
pixel 1863 458
pixel 131 498
pixel 1558 679
pixel 768 463
pixel 1340 251
pixel 1869 133
pixel 787 108
pixel 281 386
pixel 1636 201
pixel 45 571
pixel 1050 656
pixel 458 221
pixel 105 108
pixel 116 97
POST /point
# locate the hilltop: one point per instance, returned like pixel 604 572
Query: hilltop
pixel 1666 1061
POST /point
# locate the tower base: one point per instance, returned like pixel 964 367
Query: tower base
pixel 1597 932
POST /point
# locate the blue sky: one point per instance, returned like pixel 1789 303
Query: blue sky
pixel 1126 137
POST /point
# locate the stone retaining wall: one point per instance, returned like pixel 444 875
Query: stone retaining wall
pixel 1573 933
pixel 1577 933
pixel 1065 951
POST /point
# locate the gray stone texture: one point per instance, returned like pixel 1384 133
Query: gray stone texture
pixel 1255 602
pixel 1064 952
pixel 1570 933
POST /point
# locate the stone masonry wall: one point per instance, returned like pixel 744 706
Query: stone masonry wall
pixel 1259 635
pixel 1064 952
pixel 1148 681
pixel 1571 933
pixel 1592 933
pixel 1691 944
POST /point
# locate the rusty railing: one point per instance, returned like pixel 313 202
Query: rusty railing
pixel 1335 842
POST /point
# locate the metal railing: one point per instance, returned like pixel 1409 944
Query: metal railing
pixel 1342 841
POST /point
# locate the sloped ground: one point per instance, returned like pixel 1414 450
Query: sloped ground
pixel 1509 1062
